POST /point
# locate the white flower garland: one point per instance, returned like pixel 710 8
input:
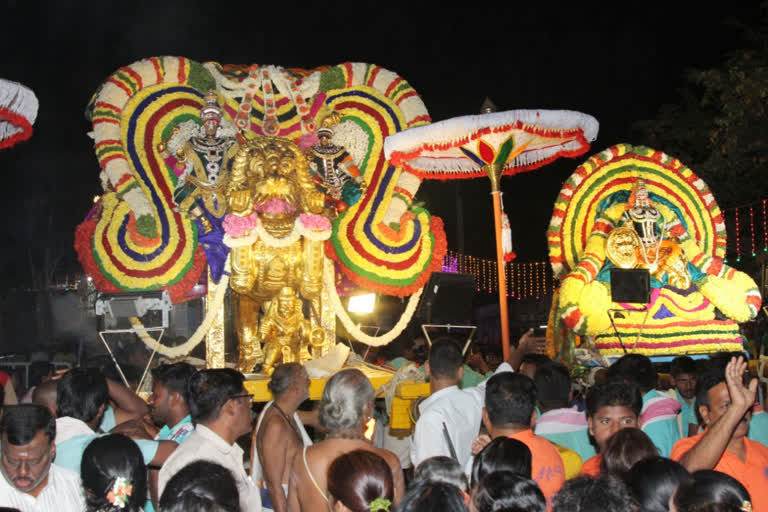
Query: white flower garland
pixel 273 241
pixel 189 345
pixel 350 136
pixel 240 241
pixel 349 324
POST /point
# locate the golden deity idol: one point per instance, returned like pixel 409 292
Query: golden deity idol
pixel 277 265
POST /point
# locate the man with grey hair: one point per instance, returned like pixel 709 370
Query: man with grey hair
pixel 279 435
pixel 345 409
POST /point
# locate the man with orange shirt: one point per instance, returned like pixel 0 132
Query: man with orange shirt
pixel 725 404
pixel 510 402
pixel 611 406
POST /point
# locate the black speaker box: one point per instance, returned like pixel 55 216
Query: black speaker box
pixel 630 285
pixel 447 299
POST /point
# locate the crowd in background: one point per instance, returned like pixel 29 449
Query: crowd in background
pixel 515 435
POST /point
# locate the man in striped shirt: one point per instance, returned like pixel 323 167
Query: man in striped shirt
pixel 31 482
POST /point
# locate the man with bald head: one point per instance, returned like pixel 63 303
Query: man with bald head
pixel 279 435
pixel 45 395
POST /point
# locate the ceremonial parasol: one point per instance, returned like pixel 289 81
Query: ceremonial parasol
pixel 493 144
pixel 18 111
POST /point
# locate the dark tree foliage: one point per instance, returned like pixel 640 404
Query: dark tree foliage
pixel 719 126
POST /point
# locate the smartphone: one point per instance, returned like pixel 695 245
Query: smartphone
pixel 539 331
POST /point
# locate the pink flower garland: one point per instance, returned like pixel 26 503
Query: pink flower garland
pixel 314 222
pixel 235 225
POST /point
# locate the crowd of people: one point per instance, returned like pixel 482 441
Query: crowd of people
pixel 524 436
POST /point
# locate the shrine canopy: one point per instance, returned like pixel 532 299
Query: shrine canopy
pixel 518 140
pixel 18 111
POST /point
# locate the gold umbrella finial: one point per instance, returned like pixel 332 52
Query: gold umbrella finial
pixel 488 106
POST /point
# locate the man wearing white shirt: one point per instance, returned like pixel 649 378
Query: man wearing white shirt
pixel 220 407
pixel 450 412
pixel 31 482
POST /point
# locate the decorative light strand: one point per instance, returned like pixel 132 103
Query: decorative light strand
pixel 752 229
pixel 738 237
pixel 765 225
pixel 524 280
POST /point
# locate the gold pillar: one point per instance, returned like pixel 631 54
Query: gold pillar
pixel 214 338
pixel 327 315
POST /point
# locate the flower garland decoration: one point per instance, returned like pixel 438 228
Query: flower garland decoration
pixel 130 260
pixel 18 111
pixel 111 110
pixel 236 225
pixel 314 227
pixel 241 231
pixel 591 204
pixel 120 493
pixel 351 326
pixel 397 257
pixel 138 242
pixel 194 340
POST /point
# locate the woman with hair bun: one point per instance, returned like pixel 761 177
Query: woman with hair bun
pixel 711 491
pixel 360 481
pixel 345 409
pixel 114 475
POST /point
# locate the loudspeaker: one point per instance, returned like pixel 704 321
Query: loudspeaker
pixel 630 285
pixel 447 299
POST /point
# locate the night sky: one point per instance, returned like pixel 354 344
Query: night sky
pixel 619 64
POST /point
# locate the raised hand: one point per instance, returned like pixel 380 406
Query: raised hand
pixel 742 397
pixel 531 344
pixel 479 443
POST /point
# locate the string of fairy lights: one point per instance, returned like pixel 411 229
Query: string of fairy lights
pixel 747 228
pixel 532 279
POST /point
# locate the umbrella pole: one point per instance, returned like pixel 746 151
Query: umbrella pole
pixel 494 173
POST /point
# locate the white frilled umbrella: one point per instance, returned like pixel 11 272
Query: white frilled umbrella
pixel 496 144
pixel 18 111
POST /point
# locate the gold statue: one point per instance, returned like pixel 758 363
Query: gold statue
pixel 270 180
pixel 286 333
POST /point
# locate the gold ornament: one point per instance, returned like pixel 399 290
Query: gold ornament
pixel 279 271
pixel 621 247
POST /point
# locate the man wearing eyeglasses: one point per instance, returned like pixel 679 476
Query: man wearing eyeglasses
pixel 220 408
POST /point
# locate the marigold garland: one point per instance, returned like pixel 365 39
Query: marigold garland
pixel 677 322
pixel 147 246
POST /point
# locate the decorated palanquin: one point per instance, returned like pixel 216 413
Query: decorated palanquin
pixel 268 181
pixel 636 208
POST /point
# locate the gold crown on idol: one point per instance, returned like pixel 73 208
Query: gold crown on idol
pixel 327 119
